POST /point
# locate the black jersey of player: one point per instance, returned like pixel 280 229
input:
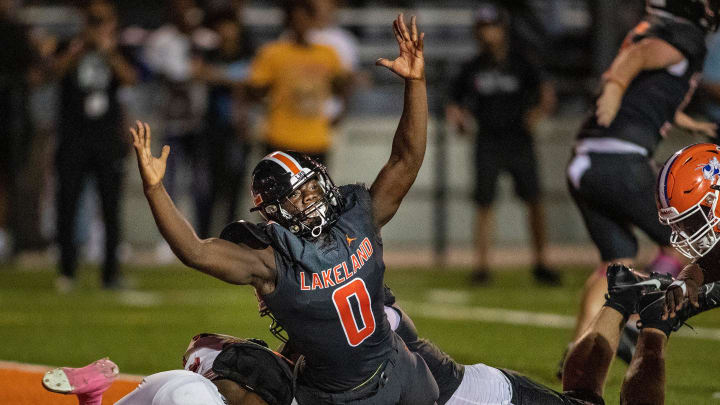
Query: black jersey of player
pixel 654 96
pixel 329 296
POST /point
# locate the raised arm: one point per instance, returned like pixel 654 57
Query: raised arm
pixel 236 264
pixel 647 54
pixel 408 147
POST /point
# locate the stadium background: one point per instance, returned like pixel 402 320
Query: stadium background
pixel 512 323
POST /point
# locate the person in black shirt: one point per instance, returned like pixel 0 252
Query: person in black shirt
pixel 611 177
pixel 90 141
pixel 224 152
pixel 17 56
pixel 506 94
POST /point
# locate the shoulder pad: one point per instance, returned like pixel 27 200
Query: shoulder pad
pixel 257 369
pixel 246 233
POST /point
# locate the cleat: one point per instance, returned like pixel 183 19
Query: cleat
pixel 480 276
pixel 93 379
pixel 624 288
pixel 626 285
pixel 650 309
pixel 709 297
pixel 546 276
pixel 652 305
pixel 665 279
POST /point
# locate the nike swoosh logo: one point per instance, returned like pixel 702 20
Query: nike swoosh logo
pixel 655 283
pixel 651 282
pixel 710 288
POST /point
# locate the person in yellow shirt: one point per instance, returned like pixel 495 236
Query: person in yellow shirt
pixel 298 78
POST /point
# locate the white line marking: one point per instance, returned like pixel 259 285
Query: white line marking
pixel 140 299
pixel 514 317
pixel 447 296
pixel 36 368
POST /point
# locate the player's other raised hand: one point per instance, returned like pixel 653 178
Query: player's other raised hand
pixel 410 64
pixel 152 169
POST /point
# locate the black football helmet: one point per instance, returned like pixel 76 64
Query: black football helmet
pixel 704 13
pixel 277 176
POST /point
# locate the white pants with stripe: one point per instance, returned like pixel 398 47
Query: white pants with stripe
pixel 482 385
pixel 174 387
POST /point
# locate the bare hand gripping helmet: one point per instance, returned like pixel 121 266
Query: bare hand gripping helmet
pixel 277 176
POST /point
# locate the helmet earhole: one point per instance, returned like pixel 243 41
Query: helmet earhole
pixel 271 209
pixel 294 228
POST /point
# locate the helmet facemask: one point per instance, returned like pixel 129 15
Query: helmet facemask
pixel 311 220
pixel 694 231
pixel 284 182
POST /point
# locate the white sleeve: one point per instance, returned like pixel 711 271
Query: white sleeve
pixel 393 317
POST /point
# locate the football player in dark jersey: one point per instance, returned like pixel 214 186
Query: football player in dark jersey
pixel 239 371
pixel 611 176
pixel 317 263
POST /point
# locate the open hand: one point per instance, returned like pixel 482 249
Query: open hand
pixel 152 169
pixel 410 64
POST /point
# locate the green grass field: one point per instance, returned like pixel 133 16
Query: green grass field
pixel 147 330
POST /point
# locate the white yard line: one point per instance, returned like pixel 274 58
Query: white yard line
pixel 514 317
pixel 36 368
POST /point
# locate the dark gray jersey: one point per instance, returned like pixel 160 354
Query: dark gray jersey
pixel 652 98
pixel 329 296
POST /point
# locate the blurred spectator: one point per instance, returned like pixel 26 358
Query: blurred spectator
pixel 36 178
pixel 506 95
pixel 711 79
pixel 225 143
pixel 299 78
pixel 16 54
pixel 91 135
pixel 327 32
pixel 169 54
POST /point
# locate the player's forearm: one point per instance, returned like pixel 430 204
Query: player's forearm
pixel 409 143
pixel 626 66
pixel 683 120
pixel 173 226
pixel 648 54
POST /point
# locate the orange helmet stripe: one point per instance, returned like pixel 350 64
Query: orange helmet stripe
pixel 287 161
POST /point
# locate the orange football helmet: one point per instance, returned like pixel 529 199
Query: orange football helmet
pixel 687 197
